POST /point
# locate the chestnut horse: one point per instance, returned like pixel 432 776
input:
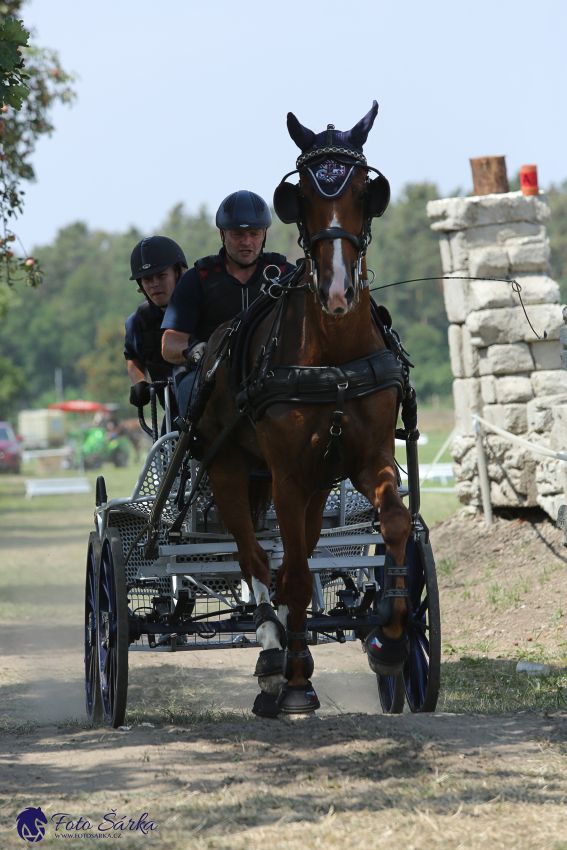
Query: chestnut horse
pixel 326 321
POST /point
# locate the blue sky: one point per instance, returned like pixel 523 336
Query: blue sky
pixel 184 101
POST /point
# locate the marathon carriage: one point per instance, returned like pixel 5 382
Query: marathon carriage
pixel 192 597
pixel 334 548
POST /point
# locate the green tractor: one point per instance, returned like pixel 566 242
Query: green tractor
pixel 97 445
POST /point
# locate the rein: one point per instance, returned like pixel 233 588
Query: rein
pixel 516 287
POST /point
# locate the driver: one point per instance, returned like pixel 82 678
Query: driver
pixel 157 263
pixel 219 286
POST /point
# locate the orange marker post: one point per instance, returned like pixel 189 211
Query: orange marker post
pixel 528 180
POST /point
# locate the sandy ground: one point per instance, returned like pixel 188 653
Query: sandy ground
pixel 349 777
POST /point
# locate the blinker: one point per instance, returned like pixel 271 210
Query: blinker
pixel 287 204
pixel 378 196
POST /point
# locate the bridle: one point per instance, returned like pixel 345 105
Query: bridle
pixel 373 206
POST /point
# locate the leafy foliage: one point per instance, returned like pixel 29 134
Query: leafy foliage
pixel 75 320
pixel 32 80
pixel 13 88
pixel 404 247
pixel 106 376
pixel 12 385
pixel 557 232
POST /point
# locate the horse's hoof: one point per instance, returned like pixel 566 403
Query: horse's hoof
pixel 271 684
pixel 298 699
pixel 265 705
pixel 270 662
pixel 386 656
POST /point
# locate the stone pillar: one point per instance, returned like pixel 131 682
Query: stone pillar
pixel 499 366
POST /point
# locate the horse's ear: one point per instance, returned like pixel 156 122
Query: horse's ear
pixel 360 131
pixel 302 137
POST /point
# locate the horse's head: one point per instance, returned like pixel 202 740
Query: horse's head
pixel 334 229
pixel 333 206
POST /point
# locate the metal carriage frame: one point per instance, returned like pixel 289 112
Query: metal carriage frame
pixel 192 595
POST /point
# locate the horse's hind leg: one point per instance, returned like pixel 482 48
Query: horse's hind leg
pixel 229 474
pixel 387 646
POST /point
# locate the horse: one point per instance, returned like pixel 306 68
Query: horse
pixel 323 321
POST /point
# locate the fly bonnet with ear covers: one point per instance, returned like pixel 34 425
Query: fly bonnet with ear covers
pixel 329 159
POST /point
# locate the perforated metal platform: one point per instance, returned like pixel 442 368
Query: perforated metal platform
pixel 204 564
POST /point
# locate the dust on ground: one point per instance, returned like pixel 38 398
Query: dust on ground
pixel 211 775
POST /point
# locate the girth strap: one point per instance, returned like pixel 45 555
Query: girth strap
pixel 334 454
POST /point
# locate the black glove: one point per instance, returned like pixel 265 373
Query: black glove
pixel 140 394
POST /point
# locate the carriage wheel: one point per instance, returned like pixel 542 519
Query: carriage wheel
pixel 422 671
pixel 112 629
pixel 392 693
pixel 92 675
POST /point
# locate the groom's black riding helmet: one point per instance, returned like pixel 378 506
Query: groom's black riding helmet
pixel 153 255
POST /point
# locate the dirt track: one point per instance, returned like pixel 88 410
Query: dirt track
pixel 210 775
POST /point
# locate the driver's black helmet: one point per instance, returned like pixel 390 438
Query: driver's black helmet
pixel 243 209
pixel 155 254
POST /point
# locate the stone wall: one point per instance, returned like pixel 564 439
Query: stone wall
pixel 500 367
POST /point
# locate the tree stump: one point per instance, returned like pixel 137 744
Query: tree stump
pixel 489 175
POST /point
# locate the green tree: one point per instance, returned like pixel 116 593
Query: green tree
pixel 404 247
pixel 86 289
pixel 557 232
pixel 12 386
pixel 106 376
pixel 32 81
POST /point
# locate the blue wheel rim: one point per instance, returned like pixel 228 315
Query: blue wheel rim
pixel 386 686
pixel 90 632
pixel 107 653
pixel 416 668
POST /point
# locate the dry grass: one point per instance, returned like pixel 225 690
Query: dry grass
pixel 352 781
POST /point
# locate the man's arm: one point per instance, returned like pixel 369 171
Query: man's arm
pixel 174 342
pixel 181 317
pixel 136 370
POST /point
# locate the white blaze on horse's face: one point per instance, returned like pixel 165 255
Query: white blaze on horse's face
pixel 336 303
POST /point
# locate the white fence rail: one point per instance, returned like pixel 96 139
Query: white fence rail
pixel 56 486
pixel 481 457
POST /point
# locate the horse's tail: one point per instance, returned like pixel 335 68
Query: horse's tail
pixel 260 499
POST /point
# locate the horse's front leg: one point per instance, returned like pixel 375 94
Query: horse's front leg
pixel 387 646
pixel 229 476
pixel 294 588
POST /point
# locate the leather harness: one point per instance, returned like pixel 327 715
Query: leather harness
pixel 269 384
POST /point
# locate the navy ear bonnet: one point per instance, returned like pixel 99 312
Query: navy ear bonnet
pixel 331 157
pixel 330 160
pixel 351 140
